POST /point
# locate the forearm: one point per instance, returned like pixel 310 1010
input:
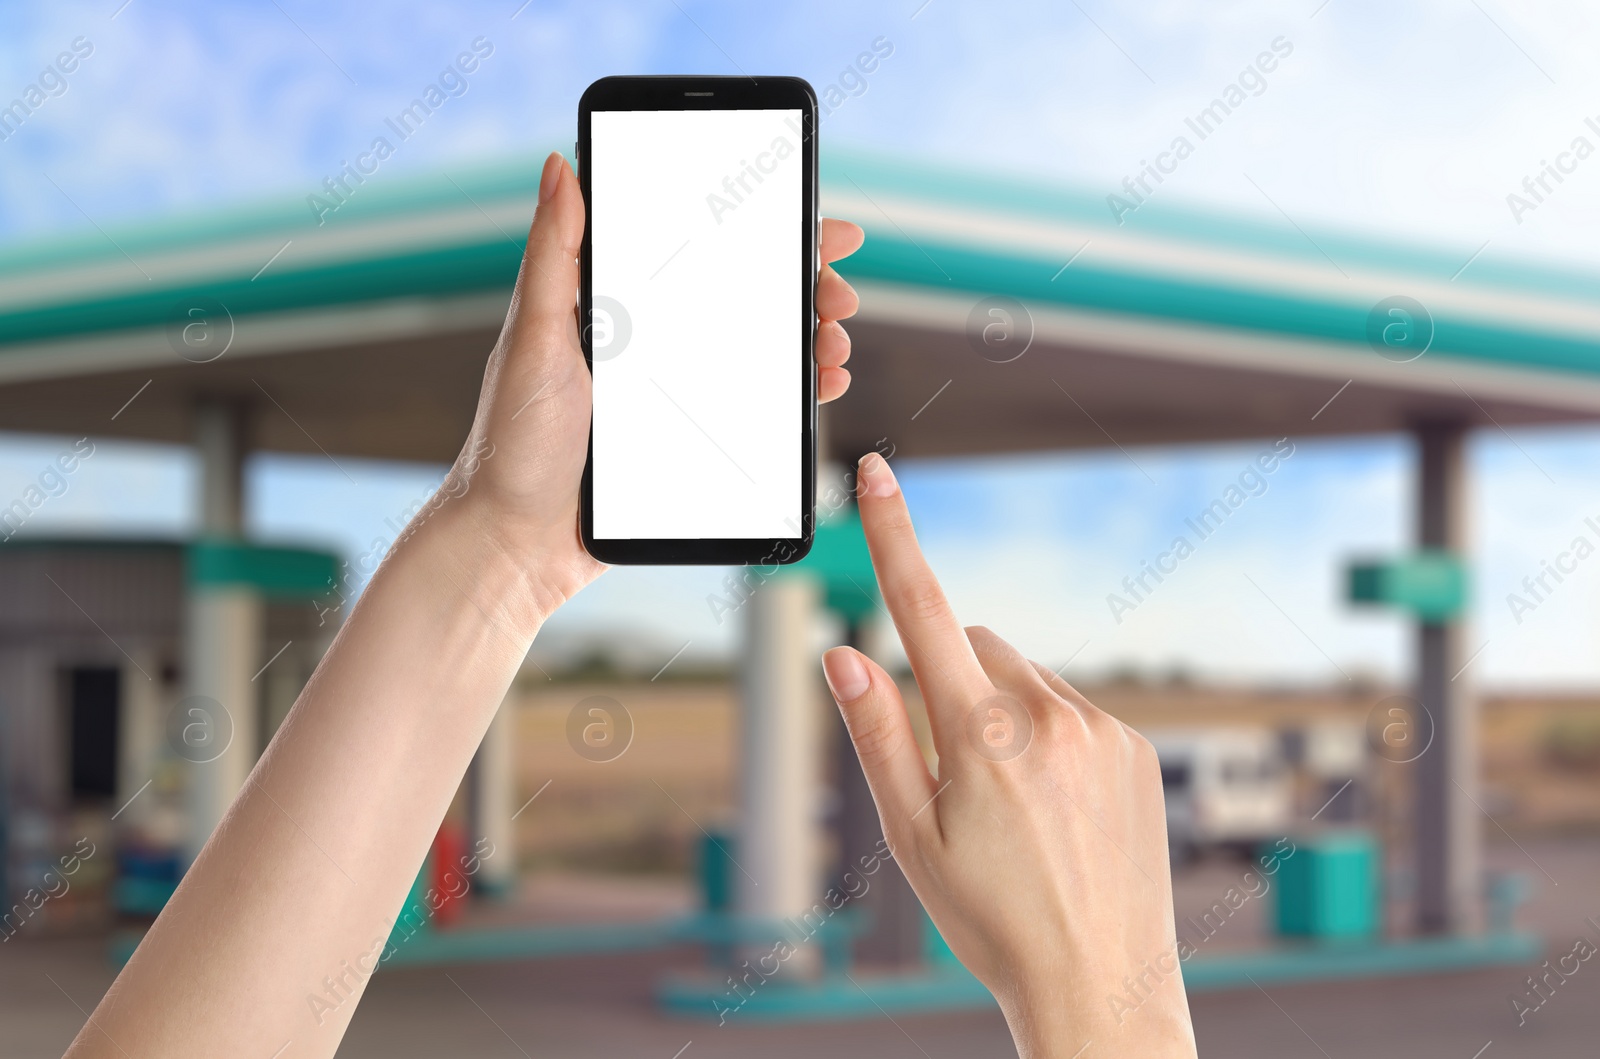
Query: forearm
pixel 306 873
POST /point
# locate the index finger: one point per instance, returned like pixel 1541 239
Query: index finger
pixel 941 656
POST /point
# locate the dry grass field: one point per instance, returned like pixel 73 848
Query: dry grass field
pixel 644 810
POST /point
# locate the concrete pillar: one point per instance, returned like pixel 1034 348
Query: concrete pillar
pixel 139 728
pixel 895 934
pixel 222 648
pixel 493 779
pixel 777 874
pixel 219 442
pixel 1447 822
pixel 222 640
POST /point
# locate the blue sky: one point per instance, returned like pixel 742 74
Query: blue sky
pixel 1409 121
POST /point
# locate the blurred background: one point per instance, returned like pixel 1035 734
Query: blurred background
pixel 1241 363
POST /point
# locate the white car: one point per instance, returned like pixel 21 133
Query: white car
pixel 1225 787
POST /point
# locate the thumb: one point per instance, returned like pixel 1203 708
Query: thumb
pixel 876 717
pixel 547 288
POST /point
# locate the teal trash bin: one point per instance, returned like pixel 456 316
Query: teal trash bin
pixel 1328 888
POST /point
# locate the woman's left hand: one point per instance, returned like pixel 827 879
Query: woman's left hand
pixel 521 468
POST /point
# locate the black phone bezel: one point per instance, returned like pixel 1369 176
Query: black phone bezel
pixel 711 93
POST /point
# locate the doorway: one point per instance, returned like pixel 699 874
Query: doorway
pixel 94 700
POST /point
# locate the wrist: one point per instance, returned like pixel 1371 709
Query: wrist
pixel 536 569
pixel 1060 1023
pixel 470 562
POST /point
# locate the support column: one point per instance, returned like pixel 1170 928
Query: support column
pixel 139 729
pixel 219 442
pixel 895 936
pixel 493 778
pixel 1446 822
pixel 780 773
pixel 222 639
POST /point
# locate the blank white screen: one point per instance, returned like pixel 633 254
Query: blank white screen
pixel 698 428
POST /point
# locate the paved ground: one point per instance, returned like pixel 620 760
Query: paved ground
pixel 577 1009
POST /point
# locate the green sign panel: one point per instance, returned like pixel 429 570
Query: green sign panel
pixel 283 573
pixel 839 557
pixel 1431 584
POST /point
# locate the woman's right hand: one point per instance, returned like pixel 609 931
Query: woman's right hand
pixel 1040 851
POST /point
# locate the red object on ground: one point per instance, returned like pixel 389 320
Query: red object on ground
pixel 445 875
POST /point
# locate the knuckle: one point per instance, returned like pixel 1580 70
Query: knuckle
pixel 895 523
pixel 1101 723
pixel 921 598
pixel 1146 765
pixel 1142 748
pixel 1058 725
pixel 874 736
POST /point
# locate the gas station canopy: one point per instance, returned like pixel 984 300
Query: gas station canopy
pixel 997 316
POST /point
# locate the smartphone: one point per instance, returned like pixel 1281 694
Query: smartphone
pixel 698 305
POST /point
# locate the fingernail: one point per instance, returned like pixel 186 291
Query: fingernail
pixel 552 173
pixel 880 479
pixel 847 677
